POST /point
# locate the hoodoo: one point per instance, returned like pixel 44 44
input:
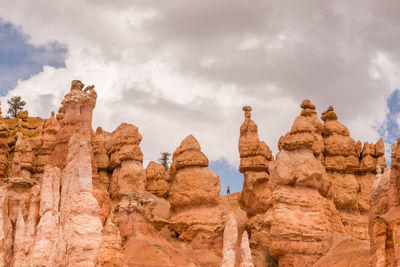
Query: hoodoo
pixel 70 196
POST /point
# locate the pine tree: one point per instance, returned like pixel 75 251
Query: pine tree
pixel 164 159
pixel 15 104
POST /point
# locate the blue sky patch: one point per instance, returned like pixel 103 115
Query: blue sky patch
pixel 227 176
pixel 390 129
pixel 20 60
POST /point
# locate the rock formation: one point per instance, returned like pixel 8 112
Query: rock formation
pixel 4 149
pixel 126 159
pixel 70 196
pixel 231 248
pixel 158 179
pixel 196 216
pixel 194 184
pixel 230 242
pixel 350 173
pixel 61 240
pixel 47 143
pixel 296 179
pixel 299 223
pixel 75 111
pixel 255 156
pixel 321 177
pixel 385 214
pixel 245 252
pixel 101 172
pixel 49 218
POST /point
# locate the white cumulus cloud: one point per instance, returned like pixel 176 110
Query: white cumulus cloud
pixel 175 68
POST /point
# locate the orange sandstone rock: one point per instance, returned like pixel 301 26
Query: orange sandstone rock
pixel 158 179
pixel 350 171
pixel 49 215
pixel 385 213
pixel 76 109
pixel 194 184
pixel 300 221
pixel 126 157
pixel 255 156
pixel 196 217
pixel 78 206
pixel 110 251
pixel 230 242
pixel 245 252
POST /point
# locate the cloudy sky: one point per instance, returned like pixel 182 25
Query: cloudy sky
pixel 182 67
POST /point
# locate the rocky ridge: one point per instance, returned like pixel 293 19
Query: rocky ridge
pixel 71 196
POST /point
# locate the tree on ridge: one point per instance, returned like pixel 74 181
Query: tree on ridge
pixel 164 159
pixel 15 104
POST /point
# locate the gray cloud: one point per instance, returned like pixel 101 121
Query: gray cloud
pixel 178 67
pixel 326 54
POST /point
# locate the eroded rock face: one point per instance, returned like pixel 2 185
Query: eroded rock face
pixel 196 216
pixel 75 111
pixel 231 247
pixel 60 229
pixel 245 252
pixel 351 170
pixel 3 148
pixel 89 206
pixel 126 158
pixel 255 156
pixel 110 251
pixel 230 242
pixel 385 213
pixel 78 206
pixel 47 143
pixel 194 184
pixel 43 221
pixel 158 179
pixel 299 223
pixel 95 204
pixel 49 221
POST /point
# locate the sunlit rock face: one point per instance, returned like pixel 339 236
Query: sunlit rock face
pixel 384 214
pixel 234 253
pixel 158 180
pixel 196 216
pixel 316 189
pixel 74 197
pixel 75 111
pixel 301 221
pixel 351 170
pixel 255 156
pixel 71 196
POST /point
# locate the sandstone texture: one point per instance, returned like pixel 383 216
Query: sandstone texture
pixel 74 197
pixel 385 214
pixel 255 156
pixel 317 189
pixel 230 242
pixel 158 180
pixel 245 251
pixel 351 170
pixel 346 252
pixel 196 217
pixel 71 196
pixel 75 111
pixel 233 253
